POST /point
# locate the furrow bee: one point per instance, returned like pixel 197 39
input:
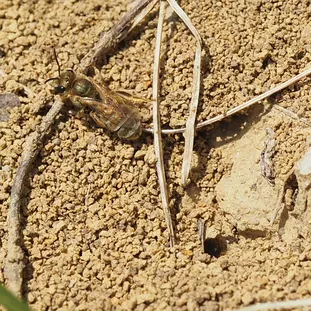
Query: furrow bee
pixel 109 109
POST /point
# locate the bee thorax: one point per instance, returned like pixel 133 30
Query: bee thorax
pixel 83 87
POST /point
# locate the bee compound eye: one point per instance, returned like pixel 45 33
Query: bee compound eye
pixel 82 87
pixel 60 89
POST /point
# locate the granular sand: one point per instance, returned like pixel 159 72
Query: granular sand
pixel 93 226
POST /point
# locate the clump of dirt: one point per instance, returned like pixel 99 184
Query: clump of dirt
pixel 93 227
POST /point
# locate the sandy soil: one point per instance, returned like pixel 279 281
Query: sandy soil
pixel 94 232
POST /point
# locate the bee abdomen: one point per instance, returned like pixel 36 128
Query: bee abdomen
pixel 131 129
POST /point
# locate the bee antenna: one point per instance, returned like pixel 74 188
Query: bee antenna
pixel 58 65
pixel 51 79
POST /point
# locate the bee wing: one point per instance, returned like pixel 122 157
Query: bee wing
pixel 137 100
pixel 111 110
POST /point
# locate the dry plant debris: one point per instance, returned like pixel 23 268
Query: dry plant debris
pixel 107 252
pixel 109 40
pixel 295 207
pixel 14 265
pixel 157 129
pixel 266 157
pixel 193 107
pixel 278 305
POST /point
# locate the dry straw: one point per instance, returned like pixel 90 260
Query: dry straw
pixel 277 305
pixel 157 128
pixel 193 108
pixel 245 105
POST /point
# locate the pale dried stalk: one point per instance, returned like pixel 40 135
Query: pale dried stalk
pixel 277 305
pixel 190 126
pixel 110 39
pixel 142 13
pixel 193 107
pixel 242 106
pixel 157 128
pixel 14 263
pixel 257 98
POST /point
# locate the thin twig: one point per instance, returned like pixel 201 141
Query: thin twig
pixel 292 115
pixel 266 157
pixel 109 40
pixel 201 232
pixel 157 128
pixel 277 305
pixel 87 195
pixel 193 107
pixel 279 202
pixel 14 264
pixel 242 106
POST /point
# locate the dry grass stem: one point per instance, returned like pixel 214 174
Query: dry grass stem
pixel 257 98
pixel 293 115
pixel 14 264
pixel 181 13
pixel 190 126
pixel 242 106
pixel 110 39
pixel 141 12
pixel 277 305
pixel 157 128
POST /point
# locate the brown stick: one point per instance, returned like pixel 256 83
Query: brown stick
pixel 14 265
pixel 109 40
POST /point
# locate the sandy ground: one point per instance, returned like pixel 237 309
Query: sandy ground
pixel 94 232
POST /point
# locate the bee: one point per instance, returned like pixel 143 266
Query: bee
pixel 111 110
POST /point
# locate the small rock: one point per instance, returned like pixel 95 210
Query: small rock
pixel 7 102
pixel 139 154
pixel 129 153
pixel 247 298
pixel 146 297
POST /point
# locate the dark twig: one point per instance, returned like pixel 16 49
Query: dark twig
pixel 109 40
pixel 14 264
pixel 266 157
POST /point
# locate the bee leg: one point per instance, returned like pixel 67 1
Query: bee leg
pixel 97 119
pixel 79 114
pixel 137 100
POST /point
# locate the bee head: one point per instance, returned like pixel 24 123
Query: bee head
pixel 64 82
pixel 65 79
